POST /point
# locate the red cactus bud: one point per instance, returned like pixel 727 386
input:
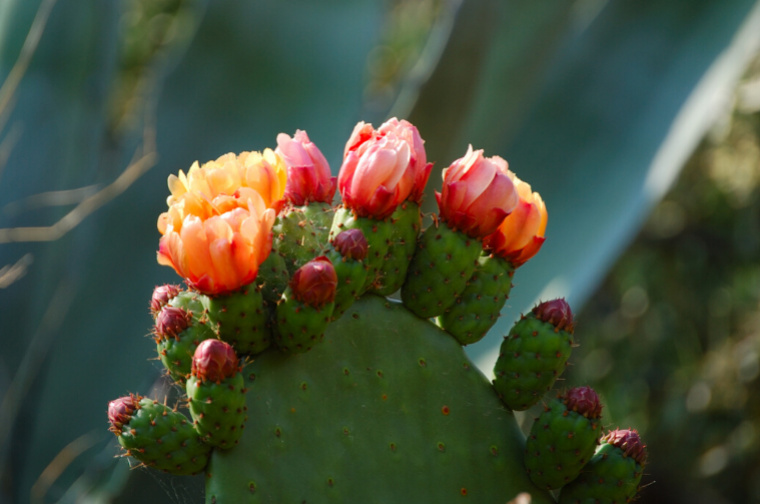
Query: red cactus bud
pixel 214 360
pixel 315 282
pixel 352 244
pixel 120 411
pixel 161 297
pixel 629 441
pixel 171 321
pixel 557 313
pixel 583 400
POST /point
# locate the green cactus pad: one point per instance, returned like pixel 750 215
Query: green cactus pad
pixel 243 320
pixel 477 309
pixel 160 437
pixel 610 477
pixel 299 326
pixel 387 409
pixel 300 233
pixel 273 277
pixel 531 358
pixel 442 264
pixel 176 354
pixel 379 235
pixel 406 222
pixel 352 275
pixel 218 409
pixel 560 443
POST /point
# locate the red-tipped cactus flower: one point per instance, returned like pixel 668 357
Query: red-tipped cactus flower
pixel 120 411
pixel 584 401
pixel 557 312
pixel 352 244
pixel 217 230
pixel 171 321
pixel 162 294
pixel 214 360
pixel 521 234
pixel 315 282
pixel 629 441
pixel 478 193
pixel 309 177
pixel 383 168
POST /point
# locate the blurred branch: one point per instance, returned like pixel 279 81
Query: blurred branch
pixel 50 198
pixel 65 457
pixel 8 89
pixel 11 273
pixel 87 206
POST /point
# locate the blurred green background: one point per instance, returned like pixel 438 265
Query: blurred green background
pixel 638 122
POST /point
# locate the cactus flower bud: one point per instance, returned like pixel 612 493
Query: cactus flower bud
pixel 383 168
pixel 629 442
pixel 309 177
pixel 584 401
pixel 478 193
pixel 171 321
pixel 214 360
pixel 315 282
pixel 120 411
pixel 352 244
pixel 162 294
pixel 557 312
pixel 521 234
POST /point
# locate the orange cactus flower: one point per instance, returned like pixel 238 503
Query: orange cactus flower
pixel 477 194
pixel 383 168
pixel 521 234
pixel 218 228
pixel 309 177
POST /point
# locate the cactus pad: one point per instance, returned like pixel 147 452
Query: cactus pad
pixel 477 309
pixel 613 474
pixel 161 437
pixel 376 413
pixel 531 358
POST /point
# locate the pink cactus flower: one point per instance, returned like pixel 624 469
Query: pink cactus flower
pixel 309 177
pixel 477 194
pixel 383 168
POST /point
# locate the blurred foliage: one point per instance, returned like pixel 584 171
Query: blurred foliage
pixel 581 97
pixel 672 338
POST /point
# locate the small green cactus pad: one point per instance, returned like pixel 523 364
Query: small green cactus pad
pixel 300 233
pixel 352 275
pixel 273 277
pixel 612 476
pixel 299 326
pixel 243 320
pixel 477 309
pixel 406 222
pixel 560 443
pixel 160 437
pixel 442 264
pixel 531 358
pixel 387 409
pixel 379 235
pixel 176 353
pixel 218 409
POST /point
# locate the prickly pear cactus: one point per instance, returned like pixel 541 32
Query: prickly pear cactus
pixel 305 383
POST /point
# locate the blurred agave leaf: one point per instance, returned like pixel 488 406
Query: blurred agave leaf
pixel 626 98
pixel 252 71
